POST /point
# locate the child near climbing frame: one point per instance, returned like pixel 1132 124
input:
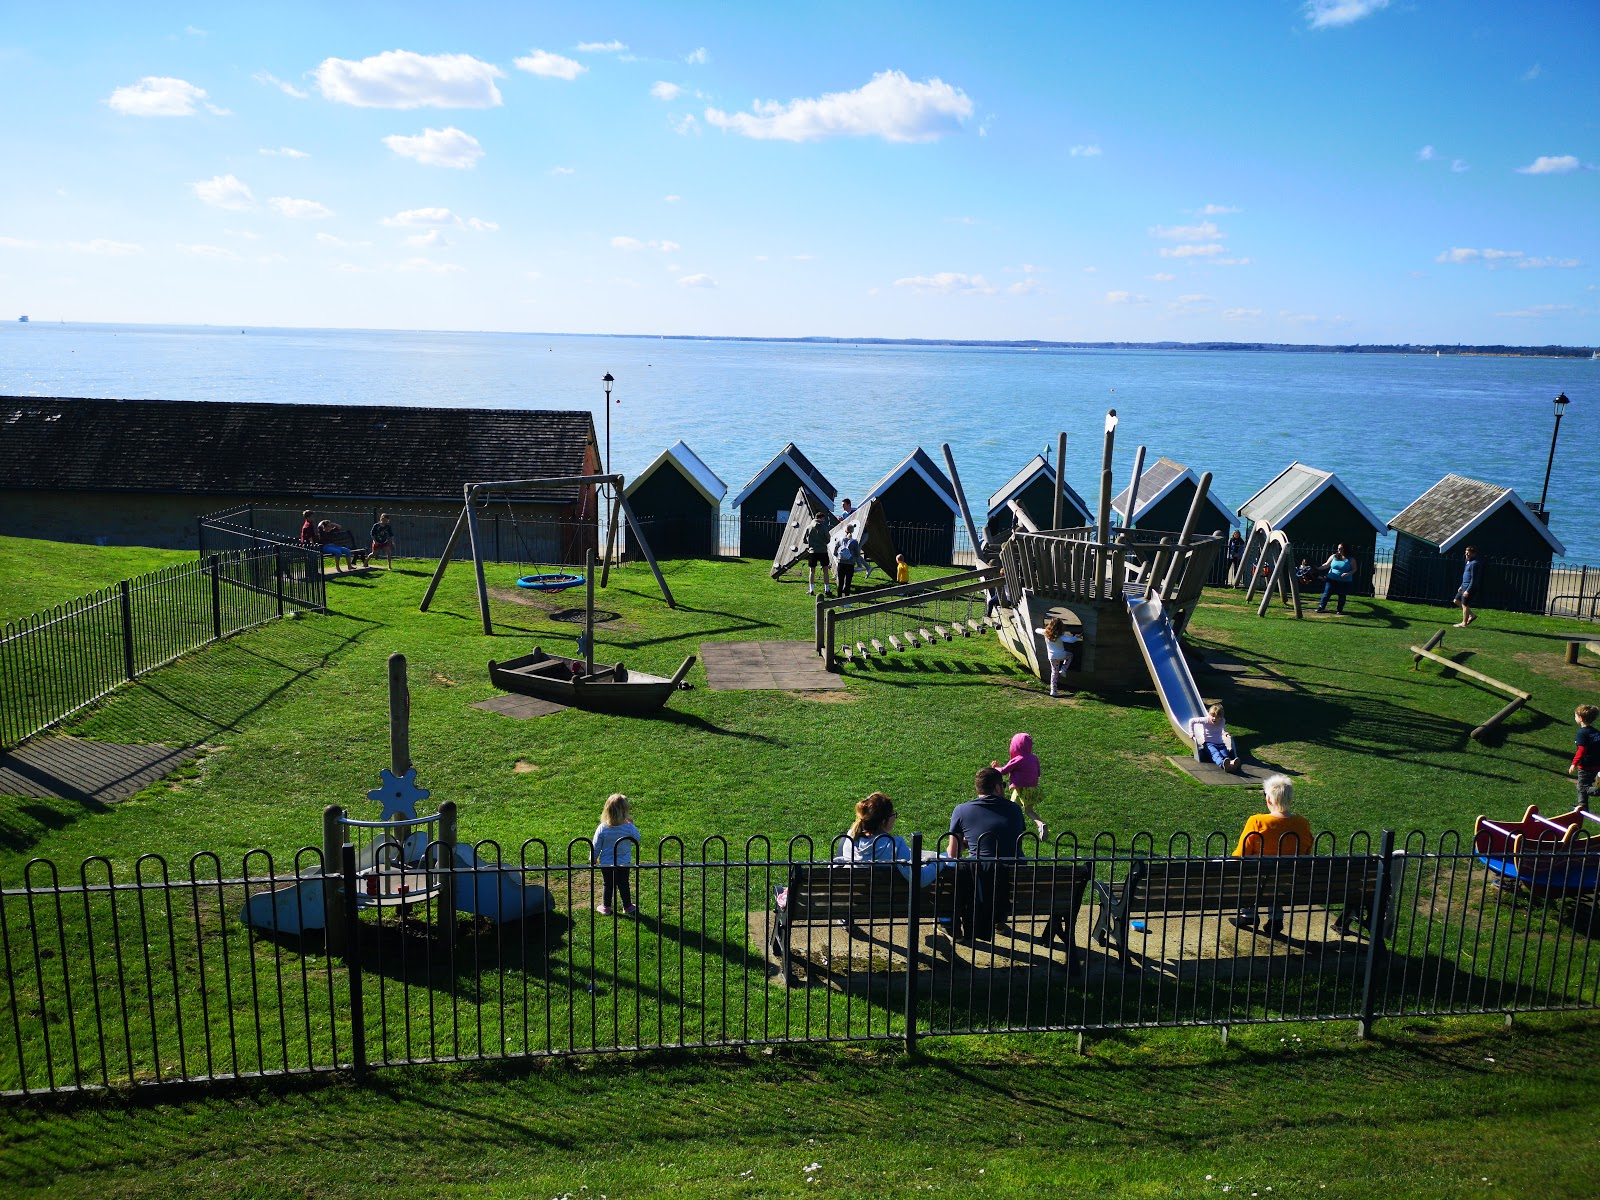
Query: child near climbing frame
pixel 1211 736
pixel 902 569
pixel 1022 769
pixel 614 840
pixel 1586 762
pixel 1059 643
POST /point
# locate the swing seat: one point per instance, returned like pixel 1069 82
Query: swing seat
pixel 555 581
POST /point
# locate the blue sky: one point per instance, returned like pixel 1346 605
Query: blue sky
pixel 1339 171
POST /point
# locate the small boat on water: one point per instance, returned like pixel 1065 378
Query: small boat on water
pixel 578 684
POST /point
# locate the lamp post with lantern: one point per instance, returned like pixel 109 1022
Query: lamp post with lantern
pixel 1561 403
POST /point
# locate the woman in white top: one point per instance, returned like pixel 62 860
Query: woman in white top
pixel 871 839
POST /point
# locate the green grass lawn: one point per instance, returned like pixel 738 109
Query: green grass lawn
pixel 293 718
pixel 39 574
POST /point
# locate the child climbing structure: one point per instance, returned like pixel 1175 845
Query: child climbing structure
pixel 1127 592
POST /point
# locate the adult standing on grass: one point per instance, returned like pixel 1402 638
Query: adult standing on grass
pixel 817 555
pixel 383 540
pixel 988 827
pixel 1469 584
pixel 849 553
pixel 1234 553
pixel 1341 573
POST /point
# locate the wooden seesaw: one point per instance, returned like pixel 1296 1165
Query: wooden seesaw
pixel 1518 696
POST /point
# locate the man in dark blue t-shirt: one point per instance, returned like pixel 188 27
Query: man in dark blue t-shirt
pixel 987 827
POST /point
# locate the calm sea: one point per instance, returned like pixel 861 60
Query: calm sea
pixel 1390 425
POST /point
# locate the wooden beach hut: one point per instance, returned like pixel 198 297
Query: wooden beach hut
pixel 765 502
pixel 920 509
pixel 1166 490
pixel 1316 511
pixel 678 500
pixel 1034 489
pixel 1434 530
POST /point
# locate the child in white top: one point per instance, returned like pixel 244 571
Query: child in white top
pixel 1058 642
pixel 1212 738
pixel 614 839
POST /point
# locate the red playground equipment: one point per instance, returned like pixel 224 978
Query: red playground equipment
pixel 1544 854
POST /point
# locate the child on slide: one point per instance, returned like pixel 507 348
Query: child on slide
pixel 1022 769
pixel 1212 738
pixel 1059 643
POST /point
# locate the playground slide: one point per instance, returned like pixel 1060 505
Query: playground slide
pixel 1158 642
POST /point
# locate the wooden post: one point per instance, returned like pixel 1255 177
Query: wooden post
pixel 650 558
pixel 399 717
pixel 1430 644
pixel 444 559
pixel 1493 722
pixel 1181 557
pixel 213 566
pixel 1572 653
pixel 961 501
pixel 588 616
pixel 611 538
pixel 447 876
pixel 1133 489
pixel 332 879
pixel 1101 585
pixel 1058 508
pixel 477 565
pixel 1270 592
pixel 126 591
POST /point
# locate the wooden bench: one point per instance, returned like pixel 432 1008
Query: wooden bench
pixel 1223 886
pixel 868 894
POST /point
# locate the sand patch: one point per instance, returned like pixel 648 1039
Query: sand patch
pixel 1552 665
pixel 825 697
pixel 523 767
pixel 442 681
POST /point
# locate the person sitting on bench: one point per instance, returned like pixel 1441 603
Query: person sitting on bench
pixel 1213 741
pixel 1278 831
pixel 989 827
pixel 871 839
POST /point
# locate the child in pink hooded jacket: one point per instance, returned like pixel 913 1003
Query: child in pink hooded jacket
pixel 1022 769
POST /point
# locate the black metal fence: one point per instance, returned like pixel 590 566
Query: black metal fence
pixel 58 661
pixel 117 976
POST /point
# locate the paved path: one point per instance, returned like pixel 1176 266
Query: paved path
pixel 65 768
pixel 766 666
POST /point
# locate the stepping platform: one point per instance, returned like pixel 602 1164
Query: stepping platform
pixel 766 667
pixel 523 708
pixel 66 768
pixel 1251 775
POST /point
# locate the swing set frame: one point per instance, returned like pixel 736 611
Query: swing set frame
pixel 468 522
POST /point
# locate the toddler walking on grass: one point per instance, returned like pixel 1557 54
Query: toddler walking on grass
pixel 1022 770
pixel 1058 642
pixel 614 839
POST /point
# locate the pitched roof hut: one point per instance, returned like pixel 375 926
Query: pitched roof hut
pixel 678 501
pixel 1034 488
pixel 766 500
pixel 919 505
pixel 1166 490
pixel 1317 511
pixel 1434 530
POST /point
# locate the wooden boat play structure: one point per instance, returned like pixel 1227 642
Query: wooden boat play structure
pixel 583 683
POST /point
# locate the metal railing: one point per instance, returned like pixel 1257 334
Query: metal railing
pixel 118 976
pixel 56 662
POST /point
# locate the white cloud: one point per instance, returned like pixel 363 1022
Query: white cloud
pixel 404 79
pixel 1459 165
pixel 1232 262
pixel 447 147
pixel 700 280
pixel 1203 232
pixel 433 237
pixel 223 191
pixel 1205 251
pixel 1531 73
pixel 1163 277
pixel 161 96
pixel 247 234
pixel 671 198
pixel 623 242
pixel 105 247
pixel 612 47
pixel 892 107
pixel 1028 287
pixel 1551 164
pixel 697 57
pixel 1085 151
pixel 329 239
pixel 802 258
pixel 1330 14
pixel 1466 254
pixel 665 247
pixel 550 66
pixel 200 250
pixel 947 283
pixel 283 152
pixel 662 90
pixel 415 218
pixel 563 170
pixel 1239 314
pixel 300 210
pixel 1425 154
pixel 288 89
pixel 1218 210
pixel 1125 298
pixel 1538 263
pixel 479 225
pixel 684 125
pixel 1090 270
pixel 13 243
pixel 1537 310
pixel 1298 318
pixel 1195 298
pixel 428 264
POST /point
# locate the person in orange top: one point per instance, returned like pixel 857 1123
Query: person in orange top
pixel 1278 831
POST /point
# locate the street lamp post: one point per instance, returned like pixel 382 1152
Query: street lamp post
pixel 1561 403
pixel 608 381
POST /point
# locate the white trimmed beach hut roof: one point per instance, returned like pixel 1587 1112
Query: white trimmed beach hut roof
pixel 703 478
pixel 1451 509
pixel 810 478
pixel 919 462
pixel 1295 487
pixel 1036 469
pixel 1157 480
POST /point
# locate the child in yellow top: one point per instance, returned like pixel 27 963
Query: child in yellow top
pixel 1278 831
pixel 902 569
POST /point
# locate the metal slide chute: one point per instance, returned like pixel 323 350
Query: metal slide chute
pixel 1169 670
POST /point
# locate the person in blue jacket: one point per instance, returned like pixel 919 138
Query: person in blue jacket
pixel 1469 583
pixel 1340 574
